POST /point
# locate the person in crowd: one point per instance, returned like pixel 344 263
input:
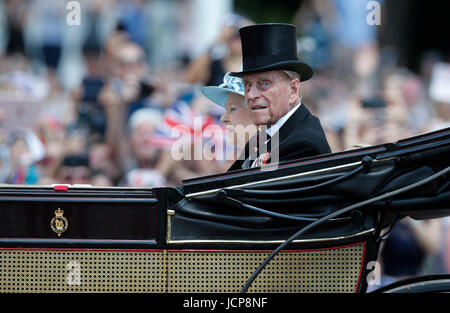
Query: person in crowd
pixel 74 169
pixel 141 125
pixel 101 178
pixel 380 118
pixel 25 150
pixel 100 160
pixel 446 241
pixel 141 167
pixel 53 135
pixel 225 55
pixel 409 245
pixel 15 16
pixel 119 93
pixel 192 139
pixel 271 75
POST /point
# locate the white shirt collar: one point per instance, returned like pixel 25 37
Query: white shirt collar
pixel 275 127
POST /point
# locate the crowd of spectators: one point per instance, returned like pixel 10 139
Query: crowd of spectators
pixel 114 126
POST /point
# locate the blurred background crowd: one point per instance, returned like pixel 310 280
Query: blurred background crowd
pixel 96 103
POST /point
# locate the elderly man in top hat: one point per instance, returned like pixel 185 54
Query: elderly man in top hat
pixel 271 75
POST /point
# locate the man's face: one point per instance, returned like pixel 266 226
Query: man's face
pixel 269 96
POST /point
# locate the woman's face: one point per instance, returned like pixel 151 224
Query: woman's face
pixel 237 120
pixel 236 112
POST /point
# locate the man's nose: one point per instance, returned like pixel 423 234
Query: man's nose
pixel 251 93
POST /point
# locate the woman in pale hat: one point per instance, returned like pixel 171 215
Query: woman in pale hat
pixel 230 95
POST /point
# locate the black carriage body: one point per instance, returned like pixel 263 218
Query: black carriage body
pixel 212 233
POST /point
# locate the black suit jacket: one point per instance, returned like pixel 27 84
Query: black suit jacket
pixel 300 136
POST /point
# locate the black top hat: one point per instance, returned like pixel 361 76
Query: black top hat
pixel 268 47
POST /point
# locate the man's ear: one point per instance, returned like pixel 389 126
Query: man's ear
pixel 295 91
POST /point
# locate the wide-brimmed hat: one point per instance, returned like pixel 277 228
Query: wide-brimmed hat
pixel 219 94
pixel 269 47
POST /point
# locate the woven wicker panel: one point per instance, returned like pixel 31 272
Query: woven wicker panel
pixel 330 270
pixel 92 271
pixel 82 271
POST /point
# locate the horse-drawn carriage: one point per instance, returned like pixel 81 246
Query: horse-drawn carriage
pixel 313 225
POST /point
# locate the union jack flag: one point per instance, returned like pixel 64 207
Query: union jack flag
pixel 182 124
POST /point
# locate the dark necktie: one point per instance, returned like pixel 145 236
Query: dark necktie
pixel 262 143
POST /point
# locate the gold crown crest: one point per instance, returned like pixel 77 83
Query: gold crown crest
pixel 59 212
